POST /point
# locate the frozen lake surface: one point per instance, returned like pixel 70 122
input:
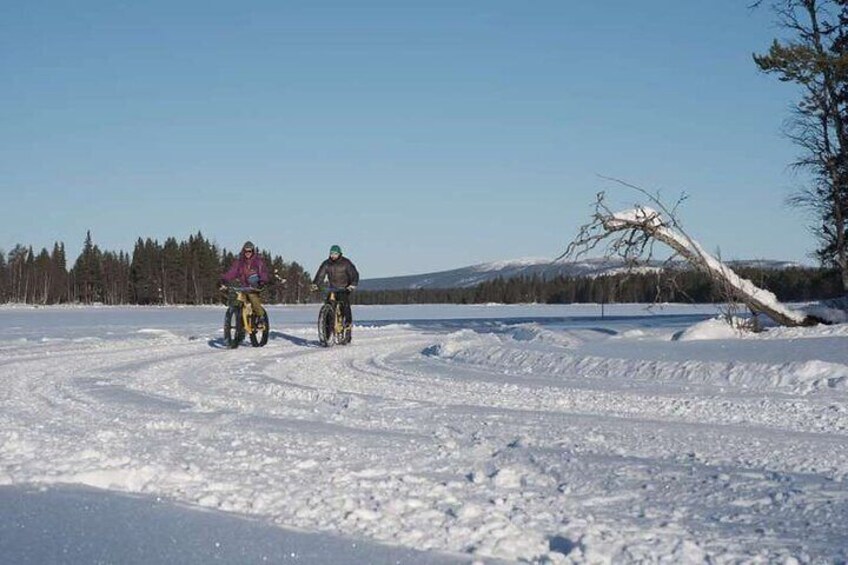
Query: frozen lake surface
pixel 442 434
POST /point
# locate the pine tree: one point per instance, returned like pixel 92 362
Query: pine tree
pixel 42 277
pixel 816 60
pixel 172 272
pixel 116 269
pixel 59 275
pixel 88 273
pixel 145 272
pixel 17 273
pixel 203 268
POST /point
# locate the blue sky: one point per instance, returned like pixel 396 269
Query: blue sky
pixel 419 136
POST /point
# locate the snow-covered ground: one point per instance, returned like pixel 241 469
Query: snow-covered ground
pixel 443 434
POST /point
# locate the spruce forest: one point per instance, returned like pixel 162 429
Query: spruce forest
pixel 173 272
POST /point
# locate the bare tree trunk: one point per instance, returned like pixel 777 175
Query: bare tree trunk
pixel 757 299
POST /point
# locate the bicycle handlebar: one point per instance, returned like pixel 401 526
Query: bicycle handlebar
pixel 242 288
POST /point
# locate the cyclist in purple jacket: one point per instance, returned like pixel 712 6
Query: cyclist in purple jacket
pixel 249 270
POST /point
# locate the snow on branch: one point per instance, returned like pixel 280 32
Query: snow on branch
pixel 631 234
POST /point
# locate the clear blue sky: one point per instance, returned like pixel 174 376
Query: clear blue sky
pixel 419 136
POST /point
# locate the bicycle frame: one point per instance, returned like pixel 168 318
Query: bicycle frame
pixel 238 298
pixel 337 309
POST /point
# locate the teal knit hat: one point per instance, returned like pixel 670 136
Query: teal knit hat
pixel 336 249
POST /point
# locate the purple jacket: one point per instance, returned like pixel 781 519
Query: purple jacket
pixel 243 267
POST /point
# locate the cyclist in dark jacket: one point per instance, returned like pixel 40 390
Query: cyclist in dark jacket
pixel 249 270
pixel 342 275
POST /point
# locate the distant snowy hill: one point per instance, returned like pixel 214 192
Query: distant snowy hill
pixel 545 268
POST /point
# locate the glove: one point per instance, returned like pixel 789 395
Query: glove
pixel 222 286
pixel 351 287
pixel 313 287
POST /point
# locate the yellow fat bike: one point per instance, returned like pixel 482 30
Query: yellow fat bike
pixel 241 321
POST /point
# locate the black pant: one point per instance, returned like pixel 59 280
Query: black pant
pixel 343 298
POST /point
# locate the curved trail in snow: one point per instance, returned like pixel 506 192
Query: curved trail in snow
pixel 514 441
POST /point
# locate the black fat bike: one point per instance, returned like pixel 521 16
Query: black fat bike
pixel 332 327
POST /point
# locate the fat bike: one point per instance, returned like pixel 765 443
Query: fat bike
pixel 333 328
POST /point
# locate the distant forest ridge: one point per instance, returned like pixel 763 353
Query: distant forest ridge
pixel 793 284
pixel 188 272
pixel 472 276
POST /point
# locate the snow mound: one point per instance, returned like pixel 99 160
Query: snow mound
pixel 715 328
pixel 457 343
pixel 535 333
pixel 469 344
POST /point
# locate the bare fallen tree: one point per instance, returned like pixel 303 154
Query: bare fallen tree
pixel 630 235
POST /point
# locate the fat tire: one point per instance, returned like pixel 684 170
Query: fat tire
pixel 326 325
pixel 258 338
pixel 233 327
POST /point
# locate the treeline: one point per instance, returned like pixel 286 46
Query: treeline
pixel 173 272
pixel 187 272
pixel 790 285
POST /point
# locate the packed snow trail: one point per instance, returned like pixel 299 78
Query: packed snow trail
pixel 532 433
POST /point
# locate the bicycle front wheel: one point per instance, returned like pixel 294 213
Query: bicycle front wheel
pixel 233 327
pixel 326 325
pixel 261 329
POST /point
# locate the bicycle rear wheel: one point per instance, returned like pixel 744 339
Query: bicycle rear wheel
pixel 233 327
pixel 326 325
pixel 261 328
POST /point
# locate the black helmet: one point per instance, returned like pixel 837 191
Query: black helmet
pixel 248 246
